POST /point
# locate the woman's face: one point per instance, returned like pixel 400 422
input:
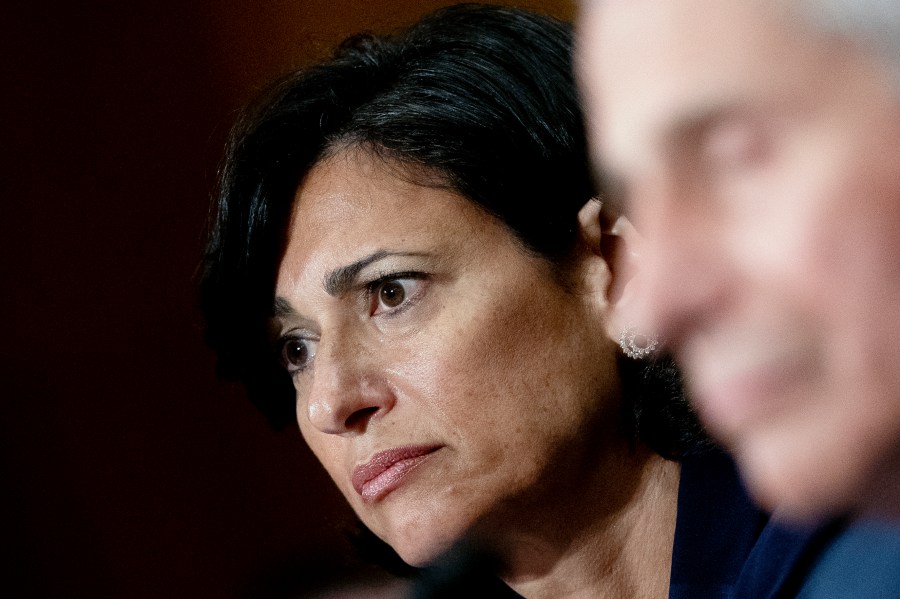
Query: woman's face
pixel 443 376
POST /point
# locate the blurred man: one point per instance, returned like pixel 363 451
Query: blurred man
pixel 756 146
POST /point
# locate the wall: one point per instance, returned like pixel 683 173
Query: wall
pixel 127 469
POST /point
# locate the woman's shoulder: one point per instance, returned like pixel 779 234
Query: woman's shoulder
pixel 717 527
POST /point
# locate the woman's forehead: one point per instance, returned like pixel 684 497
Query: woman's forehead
pixel 354 205
pixel 360 190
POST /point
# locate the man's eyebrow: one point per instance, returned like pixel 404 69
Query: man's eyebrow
pixel 680 138
pixel 687 128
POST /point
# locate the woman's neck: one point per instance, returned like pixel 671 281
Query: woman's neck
pixel 614 539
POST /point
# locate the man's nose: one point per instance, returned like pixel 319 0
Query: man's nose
pixel 679 273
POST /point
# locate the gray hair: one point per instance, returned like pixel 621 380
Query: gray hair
pixel 871 23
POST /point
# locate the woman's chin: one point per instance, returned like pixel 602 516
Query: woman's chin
pixel 419 554
pixel 423 547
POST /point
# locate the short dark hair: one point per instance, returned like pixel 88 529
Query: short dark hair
pixel 480 98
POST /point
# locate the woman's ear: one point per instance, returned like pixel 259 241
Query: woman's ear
pixel 615 241
pixel 596 273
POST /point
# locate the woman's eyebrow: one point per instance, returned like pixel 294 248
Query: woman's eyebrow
pixel 341 279
pixel 282 307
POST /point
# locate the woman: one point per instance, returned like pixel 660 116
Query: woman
pixel 397 262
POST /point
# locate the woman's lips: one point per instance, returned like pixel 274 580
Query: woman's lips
pixel 386 470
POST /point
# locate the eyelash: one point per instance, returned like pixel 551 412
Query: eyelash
pixel 373 288
pixel 282 348
pixel 371 292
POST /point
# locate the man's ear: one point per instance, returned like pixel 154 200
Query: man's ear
pixel 614 240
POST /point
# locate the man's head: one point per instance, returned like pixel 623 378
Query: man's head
pixel 757 149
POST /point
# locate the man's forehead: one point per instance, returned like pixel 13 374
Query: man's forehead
pixel 644 72
pixel 640 21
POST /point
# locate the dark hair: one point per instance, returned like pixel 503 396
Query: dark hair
pixel 479 98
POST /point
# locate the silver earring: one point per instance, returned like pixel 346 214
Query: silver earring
pixel 636 345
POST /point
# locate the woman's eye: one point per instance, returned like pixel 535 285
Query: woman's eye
pixel 297 353
pixel 389 296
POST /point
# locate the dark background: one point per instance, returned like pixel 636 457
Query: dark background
pixel 126 469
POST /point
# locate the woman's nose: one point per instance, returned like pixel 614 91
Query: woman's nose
pixel 348 391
